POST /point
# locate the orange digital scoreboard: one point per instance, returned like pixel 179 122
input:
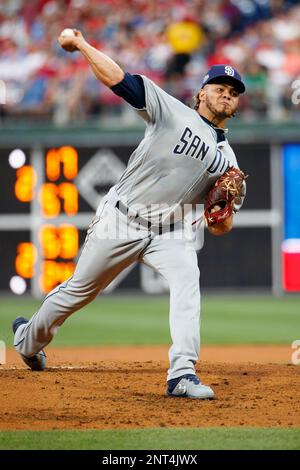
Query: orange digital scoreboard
pixel 48 255
pixel 49 195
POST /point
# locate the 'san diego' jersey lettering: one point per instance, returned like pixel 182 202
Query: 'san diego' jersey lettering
pixel 191 145
pixel 219 163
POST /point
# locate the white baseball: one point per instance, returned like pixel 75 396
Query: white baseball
pixel 67 33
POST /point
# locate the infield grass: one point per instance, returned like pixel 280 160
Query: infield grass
pixel 154 439
pixel 127 320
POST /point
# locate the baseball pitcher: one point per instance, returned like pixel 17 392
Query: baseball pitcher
pixel 184 157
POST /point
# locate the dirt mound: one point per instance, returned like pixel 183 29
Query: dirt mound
pixel 131 394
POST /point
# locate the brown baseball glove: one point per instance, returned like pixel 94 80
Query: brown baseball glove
pixel 220 199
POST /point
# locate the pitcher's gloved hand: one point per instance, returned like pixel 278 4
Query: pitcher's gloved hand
pixel 220 201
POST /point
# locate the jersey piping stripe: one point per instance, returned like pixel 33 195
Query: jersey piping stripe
pixel 55 292
pixel 15 345
pixel 26 328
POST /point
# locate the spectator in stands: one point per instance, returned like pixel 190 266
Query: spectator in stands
pixel 172 42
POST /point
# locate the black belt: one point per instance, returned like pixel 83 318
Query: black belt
pixel 145 223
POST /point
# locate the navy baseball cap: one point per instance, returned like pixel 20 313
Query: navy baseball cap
pixel 218 72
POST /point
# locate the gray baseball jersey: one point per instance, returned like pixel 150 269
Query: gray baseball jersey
pixel 176 162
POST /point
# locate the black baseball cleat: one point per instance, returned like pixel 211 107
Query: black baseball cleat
pixel 36 362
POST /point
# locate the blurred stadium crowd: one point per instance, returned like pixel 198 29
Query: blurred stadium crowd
pixel 172 42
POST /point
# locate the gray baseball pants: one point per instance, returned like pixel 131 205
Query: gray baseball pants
pixel 103 257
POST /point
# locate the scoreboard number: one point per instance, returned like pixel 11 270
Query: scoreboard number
pixel 52 258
